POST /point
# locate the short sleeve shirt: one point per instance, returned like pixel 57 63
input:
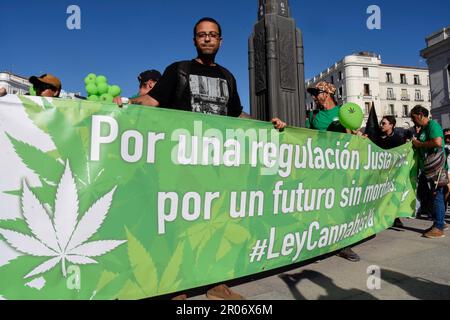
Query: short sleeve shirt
pixel 431 131
pixel 324 118
pixel 207 91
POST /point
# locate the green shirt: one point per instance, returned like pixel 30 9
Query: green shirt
pixel 430 131
pixel 324 119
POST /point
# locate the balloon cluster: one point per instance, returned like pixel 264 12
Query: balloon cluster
pixel 98 89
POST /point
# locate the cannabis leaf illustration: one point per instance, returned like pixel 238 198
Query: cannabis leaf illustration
pixel 404 195
pixel 63 237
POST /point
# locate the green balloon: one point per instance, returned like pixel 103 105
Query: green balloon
pixel 90 78
pixel 32 91
pixel 106 97
pixel 351 116
pixel 91 89
pixel 102 88
pixel 100 79
pixel 93 98
pixel 114 90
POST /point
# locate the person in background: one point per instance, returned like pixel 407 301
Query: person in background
pixel 325 119
pixel 430 141
pixel 46 85
pixel 387 140
pixel 147 81
pixel 199 85
pixel 423 205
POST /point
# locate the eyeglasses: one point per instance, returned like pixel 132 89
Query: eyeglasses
pixel 383 123
pixel 212 34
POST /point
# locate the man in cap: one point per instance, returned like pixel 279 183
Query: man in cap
pixel 46 85
pixel 326 119
pixel 147 81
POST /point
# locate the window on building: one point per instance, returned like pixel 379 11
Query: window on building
pixel 391 110
pixel 341 76
pixel 366 72
pixel 341 91
pixel 367 89
pixel 403 78
pixel 405 95
pixel 332 79
pixel 389 77
pixel 416 79
pixel 14 92
pixel 418 95
pixel 367 107
pixel 390 94
pixel 429 96
pixel 405 111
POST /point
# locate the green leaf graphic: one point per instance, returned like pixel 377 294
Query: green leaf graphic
pixel 143 266
pixel 38 161
pixel 168 281
pixel 130 291
pixel 105 278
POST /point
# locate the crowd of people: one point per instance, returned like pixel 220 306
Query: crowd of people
pixel 202 85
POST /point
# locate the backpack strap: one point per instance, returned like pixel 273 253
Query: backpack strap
pixel 183 71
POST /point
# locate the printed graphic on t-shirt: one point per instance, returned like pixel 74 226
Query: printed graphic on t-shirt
pixel 208 95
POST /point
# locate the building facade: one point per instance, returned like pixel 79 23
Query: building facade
pixel 361 78
pixel 437 54
pixel 14 84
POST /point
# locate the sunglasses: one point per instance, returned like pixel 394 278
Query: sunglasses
pixel 383 123
pixel 44 86
pixel 319 92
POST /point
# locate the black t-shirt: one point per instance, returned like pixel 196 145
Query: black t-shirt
pixel 389 142
pixel 207 91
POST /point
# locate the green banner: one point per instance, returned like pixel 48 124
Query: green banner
pixel 99 202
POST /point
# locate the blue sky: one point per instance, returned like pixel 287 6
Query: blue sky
pixel 122 38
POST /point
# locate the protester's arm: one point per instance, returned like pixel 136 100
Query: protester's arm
pixel 144 100
pixel 245 115
pixel 429 144
pixel 278 124
pixel 356 132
